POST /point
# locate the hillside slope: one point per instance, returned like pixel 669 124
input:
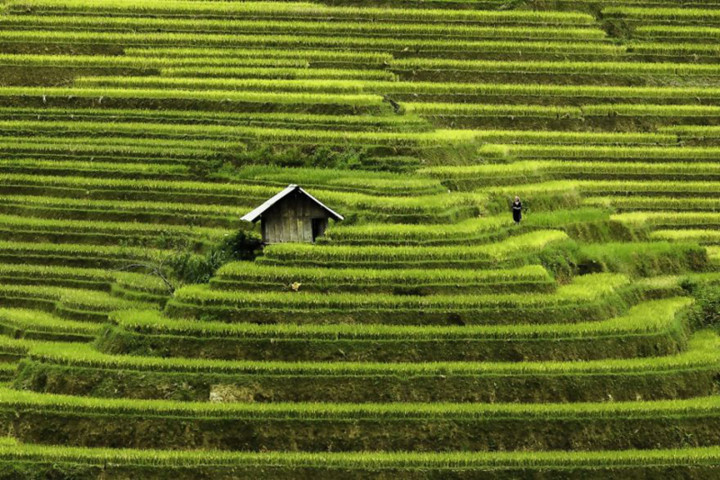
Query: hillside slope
pixel 427 335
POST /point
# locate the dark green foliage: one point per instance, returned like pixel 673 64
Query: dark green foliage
pixel 186 267
pixel 706 311
pixel 643 259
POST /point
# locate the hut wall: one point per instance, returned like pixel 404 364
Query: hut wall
pixel 290 220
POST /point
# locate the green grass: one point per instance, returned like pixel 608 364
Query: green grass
pixel 395 257
pixel 295 10
pixel 251 276
pixel 489 463
pixel 42 325
pixel 27 41
pixel 657 317
pixel 594 296
pixel 703 237
pixel 297 26
pixel 702 353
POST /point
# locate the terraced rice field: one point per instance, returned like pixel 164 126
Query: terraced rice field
pixel 145 334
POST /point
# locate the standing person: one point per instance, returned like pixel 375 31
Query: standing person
pixel 517 210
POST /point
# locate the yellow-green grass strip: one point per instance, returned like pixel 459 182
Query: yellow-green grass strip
pixel 556 43
pixel 183 54
pixel 609 152
pixel 684 33
pixel 279 73
pixel 622 202
pixel 682 220
pixel 583 289
pixel 69 297
pixel 218 96
pixel 300 26
pixel 697 408
pixel 297 10
pixel 328 254
pixel 560 68
pixel 691 457
pixel 242 195
pixel 92 168
pixel 651 317
pixel 250 272
pixel 702 354
pixel 703 237
pixel 42 225
pixel 688 189
pixel 473 230
pixel 39 321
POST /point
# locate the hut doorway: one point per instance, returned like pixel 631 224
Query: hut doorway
pixel 318 227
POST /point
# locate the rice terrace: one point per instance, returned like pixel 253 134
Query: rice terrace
pixel 359 239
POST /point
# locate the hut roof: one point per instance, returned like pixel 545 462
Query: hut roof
pixel 258 212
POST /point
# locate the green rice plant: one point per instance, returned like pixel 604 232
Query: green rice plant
pixel 117 148
pixel 671 220
pixel 251 276
pixel 28 41
pixel 122 211
pixel 500 49
pixel 94 256
pixel 184 148
pixel 72 303
pixel 278 73
pixel 701 354
pixel 320 381
pixel 700 236
pixel 594 296
pixel 619 117
pixel 608 153
pixel 202 100
pixel 665 16
pixel 225 200
pixel 695 134
pixel 296 10
pixel 470 231
pixel 662 33
pixel 480 110
pixel 38 325
pixel 468 177
pixel 108 233
pixel 714 255
pixel 538 94
pixel 470 115
pixel 697 407
pixel 377 256
pixel 327 86
pixel 422 143
pixel 686 190
pixel 601 73
pixel 291 422
pixel 98 63
pixel 84 278
pixel 112 228
pixel 673 52
pixel 380 183
pixel 93 168
pixel 649 110
pixel 655 327
pixel 300 26
pixel 613 464
pixel 645 259
pixel 313 57
pixel 655 203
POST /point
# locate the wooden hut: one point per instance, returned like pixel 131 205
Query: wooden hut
pixel 292 215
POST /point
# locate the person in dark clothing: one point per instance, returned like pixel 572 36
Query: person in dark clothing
pixel 517 210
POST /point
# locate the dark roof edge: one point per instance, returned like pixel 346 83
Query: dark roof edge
pixel 254 215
